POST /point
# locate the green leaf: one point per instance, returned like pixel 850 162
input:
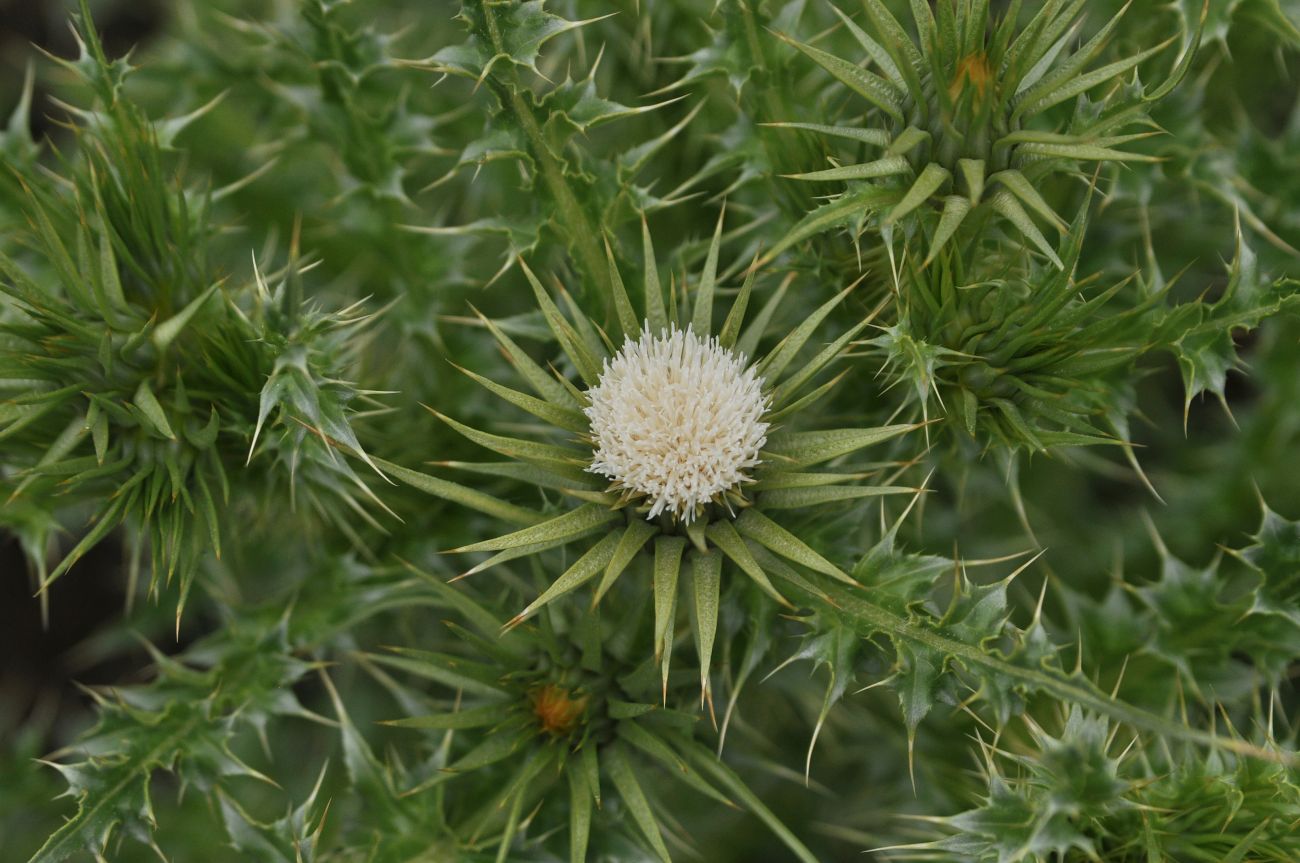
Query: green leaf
pixel 568 525
pixel 522 29
pixel 877 137
pixel 932 177
pixel 655 315
pixel 148 404
pixel 791 385
pixel 668 565
pixel 166 332
pixel 660 751
pixel 955 208
pixel 542 383
pixel 776 362
pixel 706 579
pixel 709 764
pixel 869 617
pixel 701 320
pixel 474 717
pixel 803 449
pixel 467 497
pixel 556 458
pixel 627 320
pixel 629 789
pixel 580 797
pixel 770 535
pixel 455 672
pixel 886 167
pixel 875 51
pixel 868 85
pixel 1083 83
pixel 723 536
pixel 802 498
pixel 583 360
pixel 583 570
pixel 1025 191
pixel 1009 207
pixel 637 534
pixel 972 171
pixel 901 48
pixel 558 416
pixel 493 749
pixel 736 316
pixel 841 211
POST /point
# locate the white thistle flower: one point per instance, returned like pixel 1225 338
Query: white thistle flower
pixel 677 418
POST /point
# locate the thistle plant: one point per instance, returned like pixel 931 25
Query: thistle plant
pixel 672 430
pixel 962 111
pixel 137 365
pixel 677 421
pixel 570 715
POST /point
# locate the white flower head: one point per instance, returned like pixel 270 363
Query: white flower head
pixel 678 419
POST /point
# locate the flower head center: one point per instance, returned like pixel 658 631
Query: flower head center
pixel 677 419
pixel 558 710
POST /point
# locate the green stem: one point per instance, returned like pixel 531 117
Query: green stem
pixel 868 618
pixel 573 220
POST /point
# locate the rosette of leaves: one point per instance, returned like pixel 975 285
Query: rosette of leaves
pixel 133 371
pixel 964 123
pixel 547 723
pixel 1014 354
pixel 733 523
pixel 1021 356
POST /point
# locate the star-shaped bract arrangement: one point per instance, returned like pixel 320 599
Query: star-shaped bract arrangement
pixel 696 473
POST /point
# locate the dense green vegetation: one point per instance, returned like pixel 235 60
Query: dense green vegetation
pixel 733 430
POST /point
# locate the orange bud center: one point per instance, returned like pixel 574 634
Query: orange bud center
pixel 973 68
pixel 558 712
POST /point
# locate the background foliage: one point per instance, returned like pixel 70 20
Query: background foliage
pixel 236 261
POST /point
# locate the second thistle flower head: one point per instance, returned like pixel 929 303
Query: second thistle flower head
pixel 676 418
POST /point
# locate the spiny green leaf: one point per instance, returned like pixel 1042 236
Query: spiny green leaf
pixel 668 565
pixel 931 178
pixel 583 570
pixel 637 534
pixel 723 536
pixel 803 449
pixel 1008 206
pixel 701 320
pixel 868 85
pixel 886 167
pixel 568 525
pixel 763 530
pixel 473 717
pixel 629 789
pixel 706 579
pixel 460 494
